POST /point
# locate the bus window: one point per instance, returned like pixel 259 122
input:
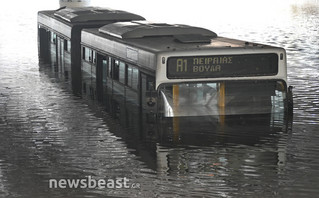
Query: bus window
pixel 53 37
pixel 105 70
pixel 65 45
pixel 150 86
pixel 115 69
pixel 93 71
pixel 129 75
pixel 93 60
pixel 122 72
pixel 221 98
pixel 69 46
pixel 135 78
pixel 108 69
pixel 148 92
pixel 132 77
pixel 87 55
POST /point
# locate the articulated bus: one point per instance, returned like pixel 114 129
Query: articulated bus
pixel 59 36
pixel 172 74
pixel 174 71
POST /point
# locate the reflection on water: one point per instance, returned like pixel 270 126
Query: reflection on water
pixel 46 132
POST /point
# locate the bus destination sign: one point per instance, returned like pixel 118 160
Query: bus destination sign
pixel 222 66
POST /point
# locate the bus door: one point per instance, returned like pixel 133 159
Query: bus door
pixel 148 102
pixel 148 92
pixel 101 78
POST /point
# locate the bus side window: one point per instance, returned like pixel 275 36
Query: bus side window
pixel 109 68
pixel 115 69
pixel 105 69
pixel 93 57
pixel 83 53
pixel 148 91
pixel 135 78
pixel 122 72
pixel 69 46
pixel 53 38
pixel 66 45
pixel 132 77
pixel 150 83
pixel 87 54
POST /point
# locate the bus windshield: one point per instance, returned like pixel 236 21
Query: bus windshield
pixel 222 98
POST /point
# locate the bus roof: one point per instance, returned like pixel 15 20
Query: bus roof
pixel 86 14
pixel 64 19
pixel 159 37
pixel 140 29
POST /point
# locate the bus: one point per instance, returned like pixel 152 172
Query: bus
pixel 175 71
pixel 59 36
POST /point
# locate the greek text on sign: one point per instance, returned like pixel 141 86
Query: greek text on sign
pixel 222 66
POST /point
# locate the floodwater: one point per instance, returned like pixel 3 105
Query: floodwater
pixel 48 133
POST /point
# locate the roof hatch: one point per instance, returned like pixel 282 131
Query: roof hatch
pixel 140 29
pixel 86 14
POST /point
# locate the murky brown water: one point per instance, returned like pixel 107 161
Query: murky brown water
pixel 46 132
